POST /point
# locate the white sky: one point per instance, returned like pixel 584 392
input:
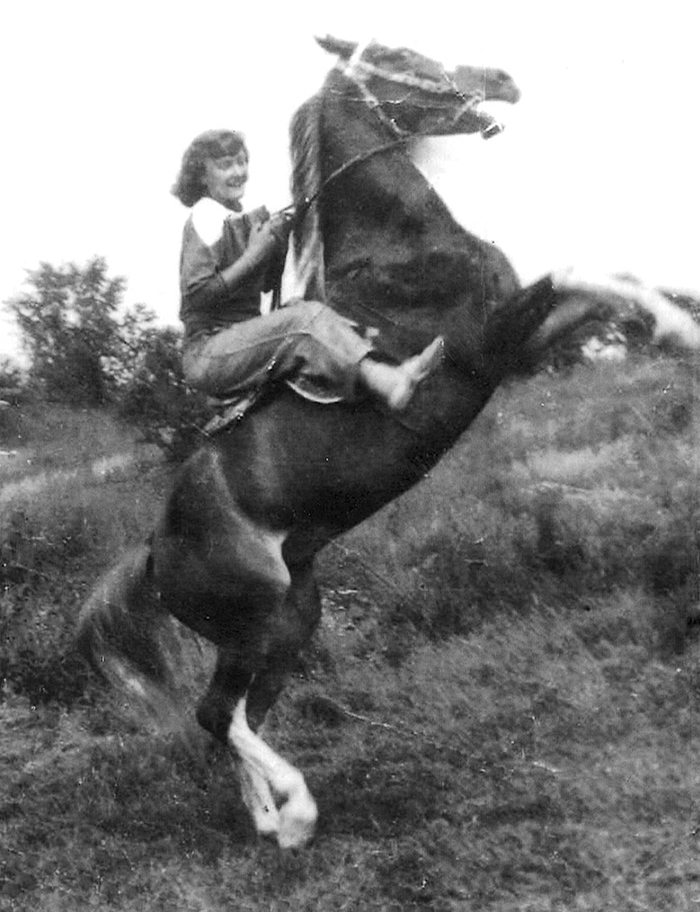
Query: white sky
pixel 597 166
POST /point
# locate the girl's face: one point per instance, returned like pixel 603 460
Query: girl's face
pixel 225 178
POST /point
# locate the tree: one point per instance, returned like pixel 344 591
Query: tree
pixel 85 350
pixel 70 327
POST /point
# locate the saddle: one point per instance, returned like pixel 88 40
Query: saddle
pixel 230 410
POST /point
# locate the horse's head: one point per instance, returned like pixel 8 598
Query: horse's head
pixel 364 209
pixel 416 94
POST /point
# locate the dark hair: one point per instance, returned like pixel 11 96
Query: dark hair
pixel 189 185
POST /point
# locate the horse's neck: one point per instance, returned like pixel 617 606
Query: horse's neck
pixel 388 236
pixel 382 216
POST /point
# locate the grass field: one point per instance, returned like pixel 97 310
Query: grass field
pixel 500 711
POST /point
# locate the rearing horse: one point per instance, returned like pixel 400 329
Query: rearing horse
pixel 232 555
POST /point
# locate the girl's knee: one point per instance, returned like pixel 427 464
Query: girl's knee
pixel 193 371
pixel 197 374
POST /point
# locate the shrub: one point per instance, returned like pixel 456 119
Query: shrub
pixel 157 400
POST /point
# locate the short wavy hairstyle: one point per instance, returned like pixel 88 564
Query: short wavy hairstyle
pixel 189 186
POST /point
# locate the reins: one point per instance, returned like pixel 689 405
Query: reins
pixel 308 201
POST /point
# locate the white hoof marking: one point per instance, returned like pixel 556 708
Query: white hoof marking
pixel 265 774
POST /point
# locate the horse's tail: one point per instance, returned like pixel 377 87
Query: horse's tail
pixel 120 633
pixel 553 308
pixel 671 325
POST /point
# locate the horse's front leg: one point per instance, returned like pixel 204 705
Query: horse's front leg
pixel 274 791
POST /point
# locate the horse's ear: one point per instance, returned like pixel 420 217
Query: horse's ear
pixel 337 46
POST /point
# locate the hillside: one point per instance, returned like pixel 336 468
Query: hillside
pixel 499 712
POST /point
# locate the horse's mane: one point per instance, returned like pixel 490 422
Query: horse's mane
pixel 305 143
pixel 403 270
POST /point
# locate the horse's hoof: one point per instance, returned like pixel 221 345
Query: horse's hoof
pixel 297 823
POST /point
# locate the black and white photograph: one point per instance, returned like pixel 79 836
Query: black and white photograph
pixel 349 457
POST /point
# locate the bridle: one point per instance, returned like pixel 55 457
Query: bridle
pixel 359 71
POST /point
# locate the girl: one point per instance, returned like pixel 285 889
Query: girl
pixel 228 260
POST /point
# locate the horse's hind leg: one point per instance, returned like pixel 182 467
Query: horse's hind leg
pixel 297 811
pixel 239 696
pixel 293 628
pixel 273 790
pixel 268 780
pixel 224 702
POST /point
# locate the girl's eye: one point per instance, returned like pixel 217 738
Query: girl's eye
pixel 230 161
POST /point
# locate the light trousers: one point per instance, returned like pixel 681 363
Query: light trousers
pixel 305 340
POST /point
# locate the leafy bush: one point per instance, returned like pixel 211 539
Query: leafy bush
pixel 157 399
pixel 68 320
pixel 86 350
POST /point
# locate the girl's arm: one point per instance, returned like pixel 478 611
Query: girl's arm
pixel 203 280
pixel 262 246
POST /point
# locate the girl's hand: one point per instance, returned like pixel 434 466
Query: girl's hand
pixel 267 239
pixel 263 240
pixel 272 233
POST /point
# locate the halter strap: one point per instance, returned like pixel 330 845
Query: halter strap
pixel 373 103
pixel 361 68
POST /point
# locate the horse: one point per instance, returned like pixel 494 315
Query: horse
pixel 232 553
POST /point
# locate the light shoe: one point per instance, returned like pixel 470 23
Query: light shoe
pixel 396 384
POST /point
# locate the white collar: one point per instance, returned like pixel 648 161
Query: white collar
pixel 208 218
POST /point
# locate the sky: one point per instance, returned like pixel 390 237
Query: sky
pixel 597 167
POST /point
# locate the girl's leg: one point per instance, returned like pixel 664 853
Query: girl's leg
pixel 305 339
pixel 309 340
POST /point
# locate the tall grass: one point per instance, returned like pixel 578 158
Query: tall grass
pixel 565 487
pixel 544 763
pixel 499 712
pixel 74 495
